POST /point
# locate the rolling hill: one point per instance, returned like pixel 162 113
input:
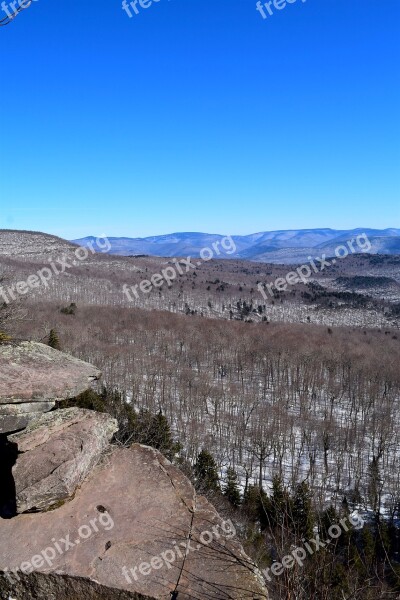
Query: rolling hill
pixel 286 247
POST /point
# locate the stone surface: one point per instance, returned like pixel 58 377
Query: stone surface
pixel 32 371
pixel 38 586
pixel 137 511
pixel 14 417
pixel 58 451
pixel 33 377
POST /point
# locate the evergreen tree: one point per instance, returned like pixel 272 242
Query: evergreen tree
pixel 329 517
pixel 365 559
pixel 302 511
pixel 278 506
pixel 53 340
pixel 206 472
pixel 231 489
pixel 160 436
pixel 143 427
pixel 255 505
pixel 374 484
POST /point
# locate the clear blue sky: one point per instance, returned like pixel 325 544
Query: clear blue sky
pixel 199 115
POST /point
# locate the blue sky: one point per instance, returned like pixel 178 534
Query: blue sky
pixel 200 115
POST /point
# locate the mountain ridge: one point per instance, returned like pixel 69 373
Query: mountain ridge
pixel 286 246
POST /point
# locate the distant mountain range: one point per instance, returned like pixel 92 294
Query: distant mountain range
pixel 291 246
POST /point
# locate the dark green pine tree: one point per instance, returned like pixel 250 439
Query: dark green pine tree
pixel 366 564
pixel 206 472
pixel 231 489
pixel 54 341
pixel 278 507
pixel 329 517
pixel 256 506
pixel 302 511
pixel 142 428
pixel 161 436
pixel 251 505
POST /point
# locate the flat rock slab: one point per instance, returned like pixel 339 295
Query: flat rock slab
pixel 30 371
pixel 135 526
pixel 33 377
pixel 58 451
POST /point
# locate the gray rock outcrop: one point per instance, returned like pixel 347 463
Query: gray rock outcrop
pixel 33 377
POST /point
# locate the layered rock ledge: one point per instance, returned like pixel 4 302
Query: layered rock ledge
pixel 58 451
pixel 33 377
